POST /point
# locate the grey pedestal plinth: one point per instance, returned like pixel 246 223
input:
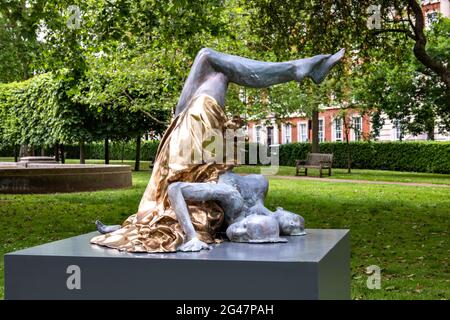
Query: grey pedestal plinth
pixel 315 266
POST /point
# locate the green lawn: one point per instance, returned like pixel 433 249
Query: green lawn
pixel 402 229
pixel 361 174
pixel 357 174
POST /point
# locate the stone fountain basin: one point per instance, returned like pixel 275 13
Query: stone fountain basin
pixel 16 178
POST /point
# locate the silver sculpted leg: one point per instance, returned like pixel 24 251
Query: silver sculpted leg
pixel 179 192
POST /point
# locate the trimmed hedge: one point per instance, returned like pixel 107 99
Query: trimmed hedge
pixel 117 150
pixel 400 156
pixel 6 151
pixel 96 150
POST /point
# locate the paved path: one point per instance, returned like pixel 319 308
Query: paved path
pixel 411 184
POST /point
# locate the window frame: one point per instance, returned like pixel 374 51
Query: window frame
pixel 335 131
pixel 285 126
pixel 397 130
pixel 299 131
pixel 258 130
pixel 321 132
pixel 357 134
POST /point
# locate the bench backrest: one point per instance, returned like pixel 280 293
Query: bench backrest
pixel 316 158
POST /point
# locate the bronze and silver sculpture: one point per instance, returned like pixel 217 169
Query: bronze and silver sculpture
pixel 186 202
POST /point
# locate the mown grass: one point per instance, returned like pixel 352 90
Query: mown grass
pixel 402 229
pixel 356 174
pixel 361 174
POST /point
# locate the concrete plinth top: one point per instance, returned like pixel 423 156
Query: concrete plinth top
pixel 309 248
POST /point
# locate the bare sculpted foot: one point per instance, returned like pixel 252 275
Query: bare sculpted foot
pixel 317 67
pixel 193 245
pixel 102 228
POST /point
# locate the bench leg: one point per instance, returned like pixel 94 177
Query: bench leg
pixel 321 172
pixel 306 172
pixel 299 172
pixel 329 172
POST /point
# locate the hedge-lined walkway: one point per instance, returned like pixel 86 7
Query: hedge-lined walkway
pixel 411 184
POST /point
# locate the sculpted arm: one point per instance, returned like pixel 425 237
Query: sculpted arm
pixel 179 192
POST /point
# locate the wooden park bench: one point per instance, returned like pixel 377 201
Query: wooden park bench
pixel 315 160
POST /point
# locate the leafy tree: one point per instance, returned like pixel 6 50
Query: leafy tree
pixel 19 48
pixel 406 18
pixel 418 92
pixel 127 96
pixel 405 91
pixel 38 112
pixel 309 26
pixel 295 29
pixel 127 57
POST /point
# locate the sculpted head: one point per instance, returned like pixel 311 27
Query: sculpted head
pixel 255 229
pixel 291 224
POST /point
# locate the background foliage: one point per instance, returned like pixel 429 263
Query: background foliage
pixel 400 156
pixel 118 73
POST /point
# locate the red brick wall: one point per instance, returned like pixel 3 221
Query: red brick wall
pixel 294 130
pixel 367 127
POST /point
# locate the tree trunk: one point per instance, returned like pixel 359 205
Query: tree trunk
pixel 138 153
pixel 26 72
pixel 315 131
pixel 417 23
pixel 430 134
pixel 23 152
pixel 63 156
pixel 16 156
pixel 122 155
pixel 42 151
pixel 106 150
pixel 420 45
pixel 56 149
pixel 349 158
pixel 346 124
pixel 429 128
pixel 82 153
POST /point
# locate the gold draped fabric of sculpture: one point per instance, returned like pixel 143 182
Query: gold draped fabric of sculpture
pixel 180 157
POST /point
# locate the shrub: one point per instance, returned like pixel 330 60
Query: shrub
pixel 401 156
pixel 423 156
pixel 118 150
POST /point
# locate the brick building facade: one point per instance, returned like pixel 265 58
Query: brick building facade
pixel 432 8
pixel 298 128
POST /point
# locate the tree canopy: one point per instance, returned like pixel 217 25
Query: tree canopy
pixel 394 63
pixel 115 68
